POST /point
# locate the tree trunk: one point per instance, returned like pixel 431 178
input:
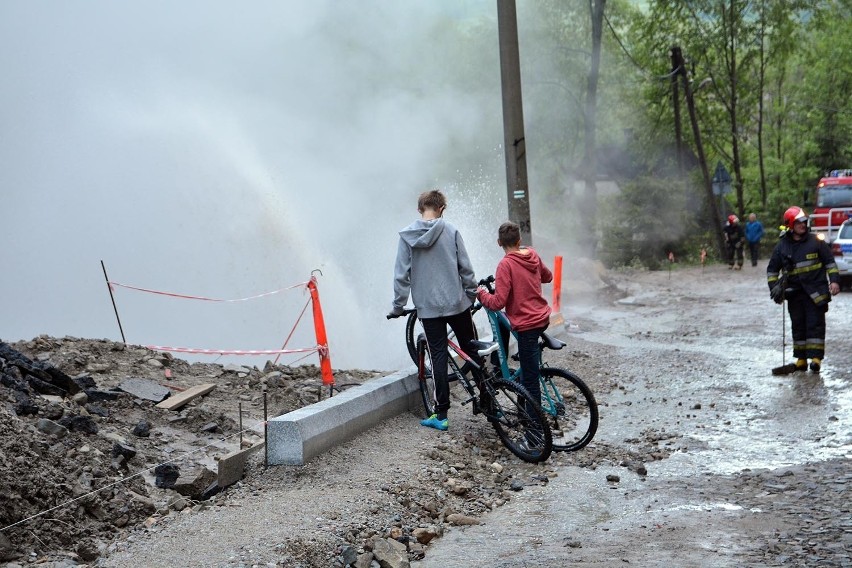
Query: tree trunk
pixel 760 89
pixel 735 138
pixel 590 125
pixel 715 220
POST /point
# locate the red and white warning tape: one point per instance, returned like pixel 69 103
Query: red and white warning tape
pixel 188 297
pixel 233 351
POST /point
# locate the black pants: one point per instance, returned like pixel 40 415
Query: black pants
pixel 808 323
pixel 735 250
pixel 436 338
pixel 753 250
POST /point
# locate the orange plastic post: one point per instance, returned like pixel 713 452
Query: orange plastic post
pixel 557 284
pixel 319 328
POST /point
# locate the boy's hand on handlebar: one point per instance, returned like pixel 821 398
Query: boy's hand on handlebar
pixel 399 312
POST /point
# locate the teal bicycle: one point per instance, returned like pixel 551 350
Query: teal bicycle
pixel 567 401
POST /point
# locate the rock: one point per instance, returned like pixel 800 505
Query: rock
pixel 7 550
pixel 80 398
pixel 51 428
pixel 195 483
pixel 364 560
pixel 144 389
pixel 119 449
pixel 516 485
pixel 142 429
pixel 349 555
pixel 389 554
pixel 612 478
pixel 166 475
pixel 459 519
pixel 83 424
pixel 424 535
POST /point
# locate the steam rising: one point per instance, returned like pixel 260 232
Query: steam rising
pixel 224 150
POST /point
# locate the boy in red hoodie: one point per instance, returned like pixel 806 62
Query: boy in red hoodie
pixel 518 288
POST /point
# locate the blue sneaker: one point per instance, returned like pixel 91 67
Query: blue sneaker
pixel 433 422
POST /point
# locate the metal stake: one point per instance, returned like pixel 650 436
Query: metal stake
pixel 113 303
pixel 265 433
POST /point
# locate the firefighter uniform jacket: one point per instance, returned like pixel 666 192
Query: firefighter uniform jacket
pixel 807 263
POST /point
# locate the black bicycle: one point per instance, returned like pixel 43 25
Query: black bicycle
pixel 520 422
pixel 567 402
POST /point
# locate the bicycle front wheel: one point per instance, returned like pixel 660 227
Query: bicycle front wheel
pixel 425 377
pixel 520 423
pixel 570 407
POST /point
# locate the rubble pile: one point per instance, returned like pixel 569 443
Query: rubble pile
pixel 86 454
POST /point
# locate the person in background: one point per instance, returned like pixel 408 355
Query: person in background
pixel 432 266
pixel 802 271
pixel 753 234
pixel 517 287
pixel 735 240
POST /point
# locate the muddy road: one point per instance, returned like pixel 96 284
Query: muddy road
pixel 759 467
pixel 702 458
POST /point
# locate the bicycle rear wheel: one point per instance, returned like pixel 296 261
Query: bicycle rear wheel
pixel 413 329
pixel 570 408
pixel 520 423
pixel 425 377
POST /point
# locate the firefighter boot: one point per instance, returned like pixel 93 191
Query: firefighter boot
pixel 815 365
pixel 801 364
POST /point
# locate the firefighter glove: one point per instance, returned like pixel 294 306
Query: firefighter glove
pixel 777 293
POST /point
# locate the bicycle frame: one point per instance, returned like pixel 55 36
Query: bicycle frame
pixel 551 397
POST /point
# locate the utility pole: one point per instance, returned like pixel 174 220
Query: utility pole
pixel 677 56
pixel 517 190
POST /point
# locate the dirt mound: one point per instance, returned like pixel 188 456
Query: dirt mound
pixel 79 448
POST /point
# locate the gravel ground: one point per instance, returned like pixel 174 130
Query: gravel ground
pixel 402 494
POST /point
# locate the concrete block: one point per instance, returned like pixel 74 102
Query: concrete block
pixel 232 466
pixel 297 437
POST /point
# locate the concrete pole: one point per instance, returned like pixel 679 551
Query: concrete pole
pixel 517 190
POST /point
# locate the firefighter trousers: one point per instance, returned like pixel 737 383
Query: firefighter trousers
pixel 808 322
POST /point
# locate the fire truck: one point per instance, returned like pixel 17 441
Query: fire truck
pixel 832 204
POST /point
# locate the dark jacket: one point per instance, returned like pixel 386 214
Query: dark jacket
pixel 734 234
pixel 808 263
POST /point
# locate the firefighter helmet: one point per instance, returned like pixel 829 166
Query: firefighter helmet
pixel 794 214
pixel 733 219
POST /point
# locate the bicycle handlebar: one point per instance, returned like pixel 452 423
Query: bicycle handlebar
pixel 487 282
pixel 405 312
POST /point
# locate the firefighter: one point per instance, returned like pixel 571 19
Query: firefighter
pixel 735 239
pixel 803 272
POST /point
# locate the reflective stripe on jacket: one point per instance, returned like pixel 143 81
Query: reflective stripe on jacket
pixel 808 263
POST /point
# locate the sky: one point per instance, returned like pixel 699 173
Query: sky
pixel 224 150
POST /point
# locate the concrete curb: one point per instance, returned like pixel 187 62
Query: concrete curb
pixel 299 436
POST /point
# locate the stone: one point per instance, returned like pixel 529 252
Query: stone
pixel 166 475
pixel 51 428
pixel 388 555
pixel 144 389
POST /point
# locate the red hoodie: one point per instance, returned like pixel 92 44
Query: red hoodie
pixel 518 289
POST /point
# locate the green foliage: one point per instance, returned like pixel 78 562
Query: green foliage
pixel 652 221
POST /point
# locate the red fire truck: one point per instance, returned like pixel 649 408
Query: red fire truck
pixel 832 204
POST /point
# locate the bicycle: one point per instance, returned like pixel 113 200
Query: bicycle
pixel 520 423
pixel 568 403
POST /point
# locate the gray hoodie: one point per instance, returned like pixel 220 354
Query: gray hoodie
pixel 433 265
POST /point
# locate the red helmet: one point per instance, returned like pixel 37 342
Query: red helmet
pixel 794 214
pixel 733 219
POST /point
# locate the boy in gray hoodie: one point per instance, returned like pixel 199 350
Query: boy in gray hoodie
pixel 432 266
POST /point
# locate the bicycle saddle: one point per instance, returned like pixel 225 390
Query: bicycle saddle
pixel 551 342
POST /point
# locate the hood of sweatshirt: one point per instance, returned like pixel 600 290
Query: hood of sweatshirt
pixel 526 258
pixel 422 234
